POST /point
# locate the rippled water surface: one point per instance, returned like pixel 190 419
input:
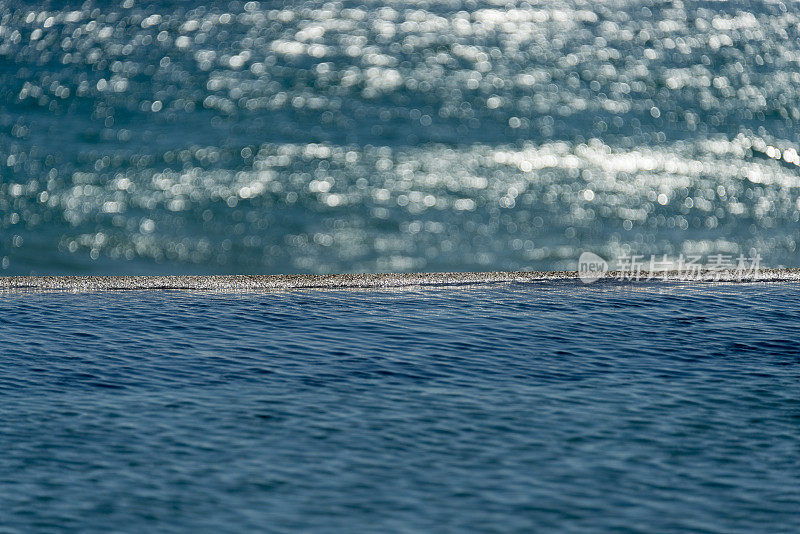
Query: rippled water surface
pixel 154 137
pixel 537 406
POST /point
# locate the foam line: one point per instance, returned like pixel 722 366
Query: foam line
pixel 336 281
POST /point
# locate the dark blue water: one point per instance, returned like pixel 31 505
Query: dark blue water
pixel 363 136
pixel 505 408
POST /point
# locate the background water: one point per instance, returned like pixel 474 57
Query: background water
pixel 507 408
pixel 261 137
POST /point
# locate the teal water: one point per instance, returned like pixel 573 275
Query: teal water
pixel 265 137
pixel 505 408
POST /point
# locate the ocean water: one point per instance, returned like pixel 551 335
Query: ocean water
pixel 317 137
pixel 499 408
pixel 180 137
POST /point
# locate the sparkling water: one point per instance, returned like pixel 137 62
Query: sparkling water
pixel 318 137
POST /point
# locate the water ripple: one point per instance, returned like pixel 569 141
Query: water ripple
pixel 506 408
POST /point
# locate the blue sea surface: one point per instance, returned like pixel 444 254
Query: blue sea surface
pixel 519 407
pixel 227 137
pixel 221 137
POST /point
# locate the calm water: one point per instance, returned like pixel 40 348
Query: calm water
pixel 649 408
pixel 228 137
